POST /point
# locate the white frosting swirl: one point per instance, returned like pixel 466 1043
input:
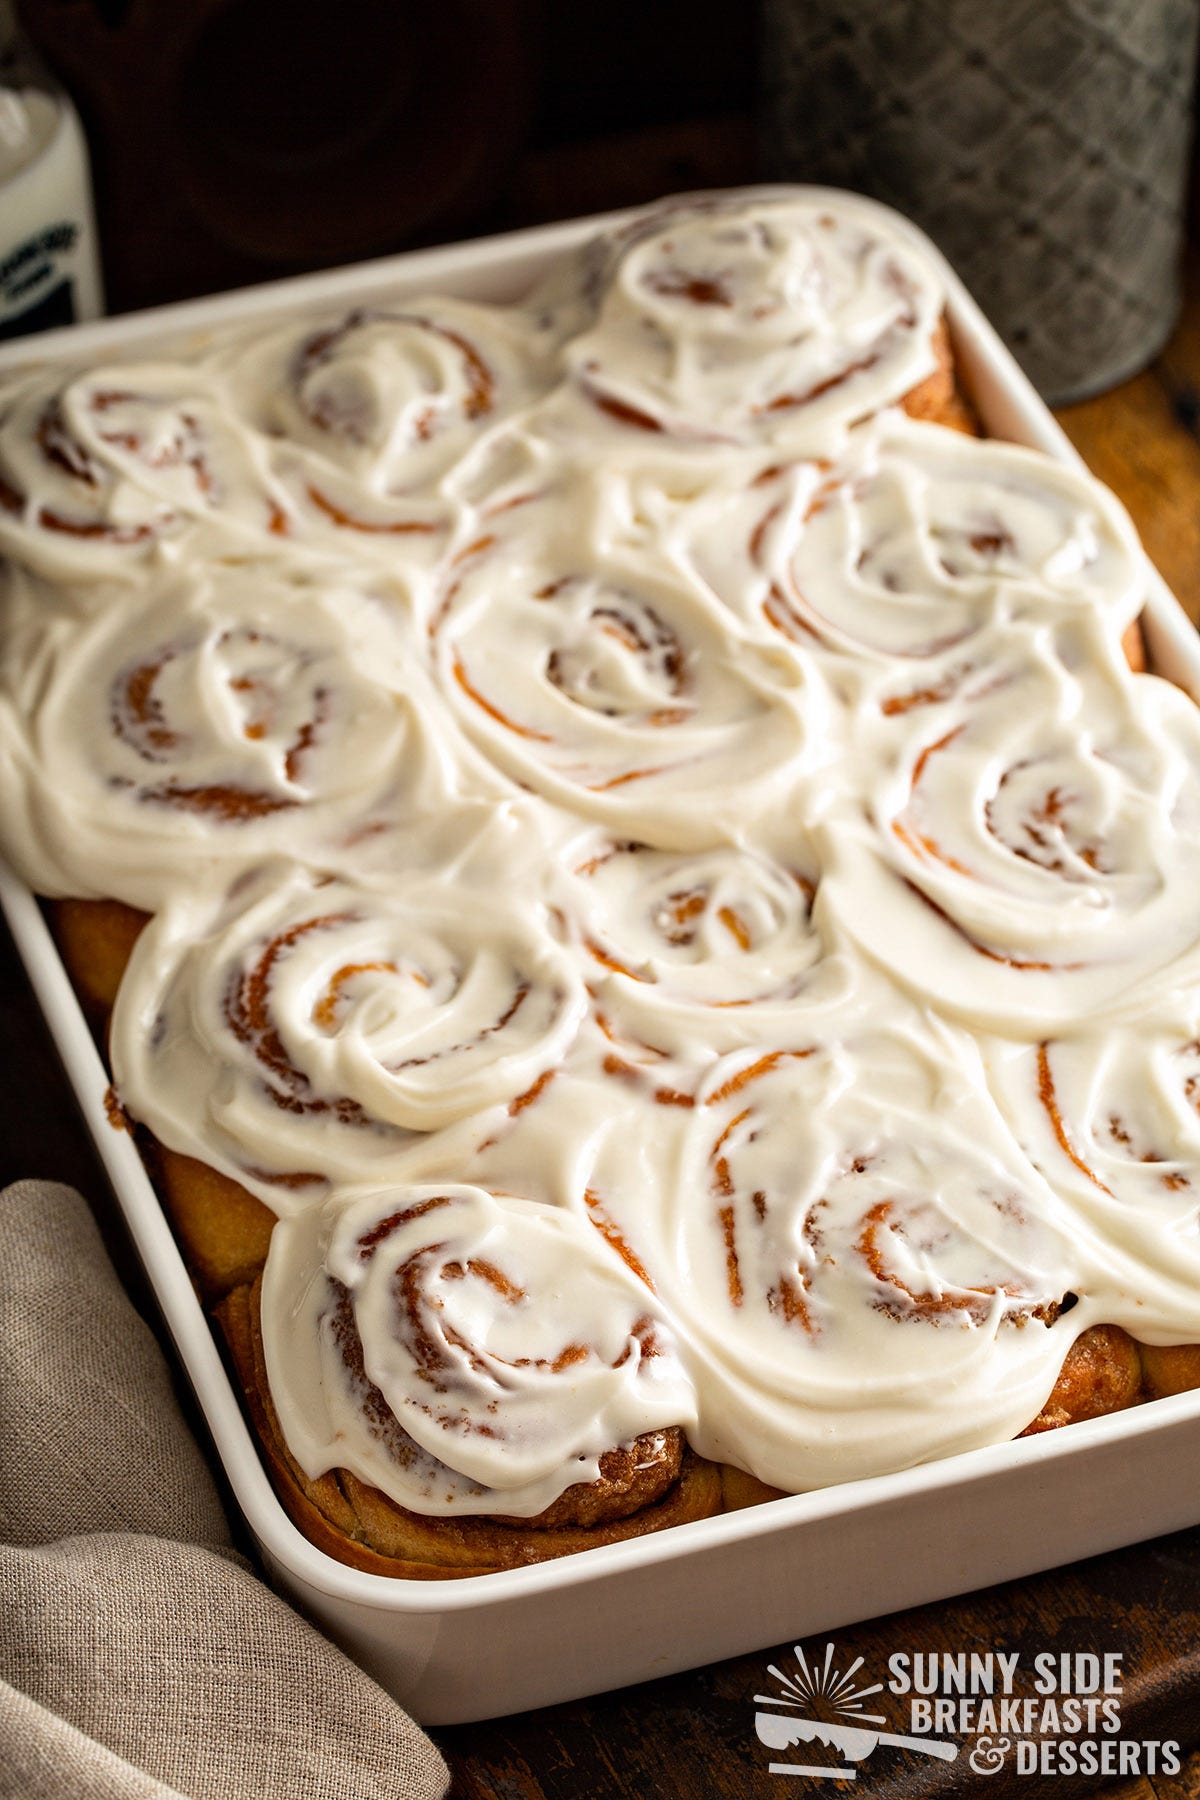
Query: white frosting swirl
pixel 782 321
pixel 314 1029
pixel 860 1263
pixel 915 542
pixel 393 396
pixel 707 944
pixel 1111 1116
pixel 100 470
pixel 243 711
pixel 611 686
pixel 1029 837
pixel 503 1349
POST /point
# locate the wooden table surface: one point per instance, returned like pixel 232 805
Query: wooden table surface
pixel 693 1734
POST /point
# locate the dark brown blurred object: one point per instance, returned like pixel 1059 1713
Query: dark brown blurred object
pixel 234 140
pixel 629 168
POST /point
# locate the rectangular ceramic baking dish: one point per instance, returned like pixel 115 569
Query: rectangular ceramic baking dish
pixel 494 1644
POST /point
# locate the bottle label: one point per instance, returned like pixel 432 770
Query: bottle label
pixel 36 291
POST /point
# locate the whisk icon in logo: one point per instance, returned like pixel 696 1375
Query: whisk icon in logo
pixel 821 1705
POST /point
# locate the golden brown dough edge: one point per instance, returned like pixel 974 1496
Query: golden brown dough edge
pixel 357 1524
pixel 940 398
pixel 1101 1373
pixel 95 939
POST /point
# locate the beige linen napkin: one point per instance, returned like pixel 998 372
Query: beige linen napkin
pixel 140 1657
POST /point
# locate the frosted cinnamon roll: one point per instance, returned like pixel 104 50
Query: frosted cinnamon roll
pixel 915 542
pixel 243 711
pixel 1029 838
pixel 731 322
pixel 610 685
pixel 864 1270
pixel 648 1485
pixel 1110 1113
pixel 99 471
pixel 702 945
pixel 310 1030
pixel 393 395
pixel 463 1352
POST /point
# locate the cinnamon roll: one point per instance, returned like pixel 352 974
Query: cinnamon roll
pixel 240 712
pixel 1029 835
pixel 467 1380
pixel 725 323
pixel 1108 1111
pixel 508 1346
pixel 914 543
pixel 103 471
pixel 392 396
pixel 308 1029
pixel 612 687
pixel 709 944
pixel 864 1270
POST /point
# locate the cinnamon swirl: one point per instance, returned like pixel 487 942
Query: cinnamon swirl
pixel 102 471
pixel 711 944
pixel 646 1486
pixel 464 1352
pixel 241 711
pixel 1027 841
pixel 1109 1113
pixel 721 324
pixel 314 1030
pixel 393 397
pixel 614 688
pixel 914 544
pixel 872 1274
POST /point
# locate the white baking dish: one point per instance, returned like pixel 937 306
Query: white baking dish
pixel 493 1644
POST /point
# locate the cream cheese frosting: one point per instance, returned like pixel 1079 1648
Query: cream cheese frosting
pixel 507 1346
pixel 657 856
pixel 392 395
pixel 912 542
pixel 1111 1117
pixel 1027 848
pixel 852 1239
pixel 612 686
pixel 732 323
pixel 241 710
pixel 313 1029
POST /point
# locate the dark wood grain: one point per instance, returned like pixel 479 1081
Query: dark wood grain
pixel 693 1735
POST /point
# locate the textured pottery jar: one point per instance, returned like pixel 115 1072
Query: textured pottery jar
pixel 1044 145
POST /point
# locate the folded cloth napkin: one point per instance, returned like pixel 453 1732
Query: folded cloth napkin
pixel 140 1657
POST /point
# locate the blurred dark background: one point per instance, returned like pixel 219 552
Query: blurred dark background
pixel 236 140
pixel 1043 145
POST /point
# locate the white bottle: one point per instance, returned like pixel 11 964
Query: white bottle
pixel 49 266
